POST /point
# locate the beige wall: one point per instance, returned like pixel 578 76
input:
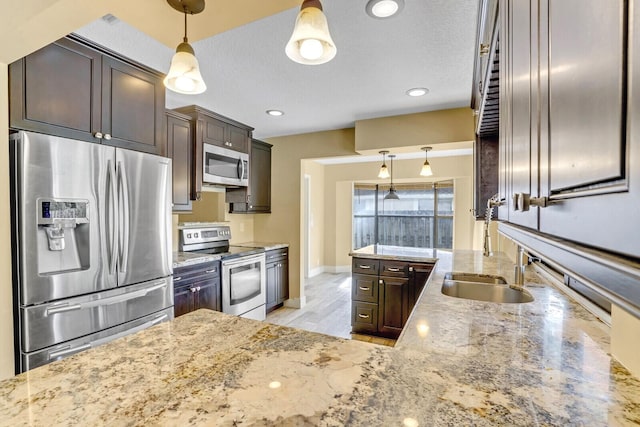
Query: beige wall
pixel 284 223
pixel 6 301
pixel 317 223
pixel 212 208
pixel 415 130
pixel 339 189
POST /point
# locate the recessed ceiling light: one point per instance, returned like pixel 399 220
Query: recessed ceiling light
pixel 418 91
pixel 384 8
pixel 276 113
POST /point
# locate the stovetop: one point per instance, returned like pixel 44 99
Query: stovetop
pixel 228 252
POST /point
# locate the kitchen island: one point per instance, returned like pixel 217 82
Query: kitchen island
pixel 458 362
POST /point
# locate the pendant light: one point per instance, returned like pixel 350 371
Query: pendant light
pixel 384 171
pixel 311 43
pixel 184 74
pixel 426 167
pixel 392 195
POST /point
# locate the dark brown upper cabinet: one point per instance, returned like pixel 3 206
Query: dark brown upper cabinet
pixel 211 128
pixel 569 127
pixel 257 197
pixel 75 89
pixel 179 149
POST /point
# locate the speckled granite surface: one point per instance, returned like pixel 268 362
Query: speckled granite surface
pixel 397 253
pixel 183 259
pixel 458 362
pixel 268 246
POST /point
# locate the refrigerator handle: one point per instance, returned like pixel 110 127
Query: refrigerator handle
pixel 124 219
pixel 111 176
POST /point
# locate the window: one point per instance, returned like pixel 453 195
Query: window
pixel 423 217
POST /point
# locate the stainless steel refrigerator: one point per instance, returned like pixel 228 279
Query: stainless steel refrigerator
pixel 91 245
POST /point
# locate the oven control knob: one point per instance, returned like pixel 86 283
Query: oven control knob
pixel 188 236
pixel 195 235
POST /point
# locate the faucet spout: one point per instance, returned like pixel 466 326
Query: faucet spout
pixel 520 266
pixel 492 202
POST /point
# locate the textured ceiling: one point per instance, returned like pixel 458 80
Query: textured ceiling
pixel 431 44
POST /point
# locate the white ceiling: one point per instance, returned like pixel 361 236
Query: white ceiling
pixel 430 44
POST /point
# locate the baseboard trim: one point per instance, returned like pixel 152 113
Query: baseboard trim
pixel 296 302
pixel 330 269
pixel 318 270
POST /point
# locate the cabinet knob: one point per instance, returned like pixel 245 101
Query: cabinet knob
pixel 98 135
pixel 250 206
pixel 381 282
pixel 107 136
pixel 198 288
pixel 193 290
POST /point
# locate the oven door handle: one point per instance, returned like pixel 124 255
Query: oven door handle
pixel 243 260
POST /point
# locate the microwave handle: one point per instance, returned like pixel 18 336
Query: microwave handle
pixel 241 167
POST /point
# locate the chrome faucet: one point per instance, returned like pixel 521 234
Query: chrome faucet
pixel 492 202
pixel 520 266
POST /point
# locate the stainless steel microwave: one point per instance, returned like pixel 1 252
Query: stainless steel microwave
pixel 221 166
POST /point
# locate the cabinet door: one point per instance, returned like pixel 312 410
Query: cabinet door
pixel 132 108
pixel 179 149
pixel 214 131
pixel 283 281
pixel 522 59
pixel 56 90
pixel 418 278
pixel 208 294
pixel 183 301
pixel 260 178
pixel 272 285
pixel 393 305
pixel 591 138
pixel 237 138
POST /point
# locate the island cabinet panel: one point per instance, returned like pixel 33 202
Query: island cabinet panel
pixel 197 286
pixel 75 89
pixel 383 294
pixel 393 305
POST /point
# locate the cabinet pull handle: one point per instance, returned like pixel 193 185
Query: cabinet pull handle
pixel 381 282
pixel 98 135
pixel 410 268
pixel 211 271
pixel 363 316
pixel 365 267
pixel 198 288
pixel 393 269
pixel 364 288
pixel 107 136
pixel 177 279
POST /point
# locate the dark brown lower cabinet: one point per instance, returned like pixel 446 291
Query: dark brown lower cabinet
pixel 277 277
pixel 383 297
pixel 197 286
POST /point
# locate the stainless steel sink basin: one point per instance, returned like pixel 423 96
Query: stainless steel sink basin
pixel 475 277
pixel 482 287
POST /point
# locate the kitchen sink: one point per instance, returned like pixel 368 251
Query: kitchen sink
pixel 475 277
pixel 483 287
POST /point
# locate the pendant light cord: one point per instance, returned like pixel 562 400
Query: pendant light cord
pixel 185 25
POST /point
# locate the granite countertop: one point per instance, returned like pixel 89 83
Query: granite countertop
pixel 398 253
pixel 458 362
pixel 183 259
pixel 267 246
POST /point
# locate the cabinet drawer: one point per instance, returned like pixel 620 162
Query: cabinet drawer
pixel 191 272
pixel 365 266
pixel 394 268
pixel 364 317
pixel 276 255
pixel 364 288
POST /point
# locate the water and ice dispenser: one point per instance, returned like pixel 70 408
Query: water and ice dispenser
pixel 63 235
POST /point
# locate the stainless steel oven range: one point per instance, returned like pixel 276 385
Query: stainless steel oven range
pixel 243 269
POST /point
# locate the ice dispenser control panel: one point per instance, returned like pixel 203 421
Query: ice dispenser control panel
pixel 57 215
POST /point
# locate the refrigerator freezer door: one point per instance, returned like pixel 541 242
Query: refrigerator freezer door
pixel 144 238
pixel 61 190
pixel 45 325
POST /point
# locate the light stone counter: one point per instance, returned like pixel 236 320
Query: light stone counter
pixel 458 362
pixel 267 246
pixel 183 259
pixel 398 253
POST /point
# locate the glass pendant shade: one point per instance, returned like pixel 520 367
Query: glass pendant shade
pixel 311 43
pixel 426 169
pixel 384 171
pixel 184 74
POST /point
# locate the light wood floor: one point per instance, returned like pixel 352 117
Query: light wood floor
pixel 327 311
